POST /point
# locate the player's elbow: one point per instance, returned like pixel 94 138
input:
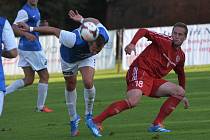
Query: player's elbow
pixel 143 30
pixel 56 31
pixel 13 53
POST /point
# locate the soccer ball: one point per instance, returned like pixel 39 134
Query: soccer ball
pixel 89 31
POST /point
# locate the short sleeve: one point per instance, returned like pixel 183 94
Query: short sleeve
pixel 8 37
pixel 22 16
pixel 103 31
pixel 67 38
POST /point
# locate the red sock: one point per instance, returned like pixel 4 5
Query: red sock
pixel 168 106
pixel 112 110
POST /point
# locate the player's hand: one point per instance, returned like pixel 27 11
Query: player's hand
pixel 74 15
pixel 23 26
pixel 30 36
pixel 186 102
pixel 129 48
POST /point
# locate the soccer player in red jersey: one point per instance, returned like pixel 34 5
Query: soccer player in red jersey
pixel 145 74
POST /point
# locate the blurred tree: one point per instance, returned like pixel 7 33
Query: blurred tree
pixel 9 8
pixel 56 12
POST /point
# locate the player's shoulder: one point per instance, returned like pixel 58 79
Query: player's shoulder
pixel 77 33
pixel 182 52
pixel 22 12
pixel 103 31
pixel 2 21
pixel 3 18
pixel 77 30
pixel 162 35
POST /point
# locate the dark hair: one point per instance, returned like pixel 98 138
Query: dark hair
pixel 182 25
pixel 100 41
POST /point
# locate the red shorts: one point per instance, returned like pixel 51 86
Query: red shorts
pixel 137 78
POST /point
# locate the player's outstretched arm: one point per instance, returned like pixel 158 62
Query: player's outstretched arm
pixel 131 46
pixel 74 15
pixel 138 35
pixel 48 30
pixel 42 29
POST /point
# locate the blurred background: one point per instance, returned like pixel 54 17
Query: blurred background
pixel 116 14
pixel 122 18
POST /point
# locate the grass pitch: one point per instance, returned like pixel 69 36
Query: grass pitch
pixel 20 122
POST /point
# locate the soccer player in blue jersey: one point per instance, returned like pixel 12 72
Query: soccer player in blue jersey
pixel 8 50
pixel 32 57
pixel 78 55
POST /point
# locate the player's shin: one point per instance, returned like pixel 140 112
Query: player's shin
pixel 14 86
pixel 89 97
pixel 112 110
pixel 71 98
pixel 167 108
pixel 42 95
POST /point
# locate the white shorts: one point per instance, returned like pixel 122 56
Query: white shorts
pixel 69 69
pixel 35 59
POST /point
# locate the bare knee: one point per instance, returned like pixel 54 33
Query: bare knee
pixel 134 97
pixel 44 79
pixel 43 76
pixel 133 102
pixel 28 81
pixel 88 84
pixel 179 91
pixel 70 85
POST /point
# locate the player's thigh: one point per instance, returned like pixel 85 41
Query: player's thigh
pixel 137 78
pixel 169 89
pixel 87 76
pixel 69 69
pixel 87 69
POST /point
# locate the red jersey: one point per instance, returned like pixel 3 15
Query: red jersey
pixel 160 57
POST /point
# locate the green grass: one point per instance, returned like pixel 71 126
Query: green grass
pixel 20 122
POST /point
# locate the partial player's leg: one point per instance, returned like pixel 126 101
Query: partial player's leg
pixel 27 80
pixel 135 85
pixel 70 71
pixel 87 69
pixel 25 58
pixel 1 102
pixel 133 97
pixel 176 93
pixel 89 88
pixel 71 100
pixel 43 91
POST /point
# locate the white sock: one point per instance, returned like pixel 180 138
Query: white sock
pixel 89 96
pixel 1 101
pixel 14 86
pixel 71 99
pixel 42 95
